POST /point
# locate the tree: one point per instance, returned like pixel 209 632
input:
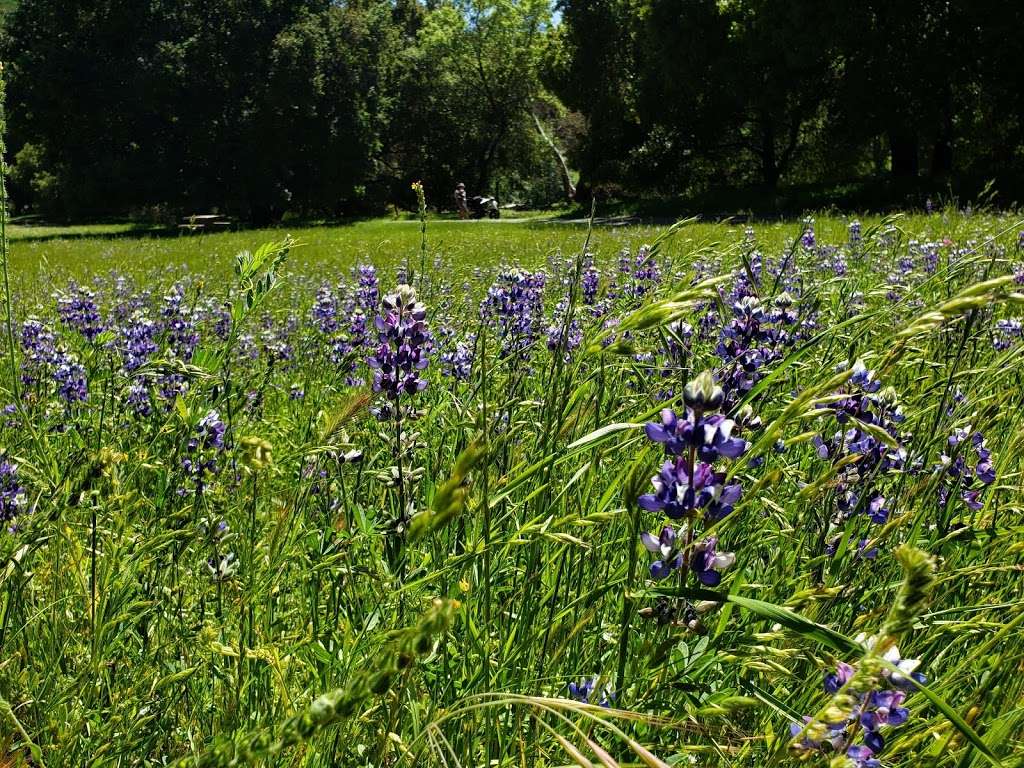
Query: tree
pixel 670 85
pixel 254 106
pixel 80 93
pixel 592 71
pixel 467 80
pixel 904 64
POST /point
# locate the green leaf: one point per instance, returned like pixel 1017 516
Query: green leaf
pixel 597 434
pixel 776 613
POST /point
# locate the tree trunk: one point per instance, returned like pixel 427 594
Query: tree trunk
pixel 769 160
pixel 486 163
pixel 903 147
pixel 942 152
pixel 563 168
pixel 261 214
pixel 942 158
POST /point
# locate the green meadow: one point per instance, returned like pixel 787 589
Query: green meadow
pixel 382 495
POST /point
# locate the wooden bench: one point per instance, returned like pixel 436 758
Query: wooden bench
pixel 199 223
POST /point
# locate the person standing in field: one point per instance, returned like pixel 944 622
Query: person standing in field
pixel 460 200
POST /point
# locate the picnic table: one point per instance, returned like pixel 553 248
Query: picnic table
pixel 202 222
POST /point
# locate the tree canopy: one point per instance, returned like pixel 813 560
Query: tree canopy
pixel 313 107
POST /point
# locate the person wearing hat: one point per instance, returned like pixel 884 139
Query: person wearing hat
pixel 460 200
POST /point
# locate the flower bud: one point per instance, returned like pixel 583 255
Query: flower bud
pixel 702 394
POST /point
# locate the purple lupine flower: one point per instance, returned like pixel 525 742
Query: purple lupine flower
pixel 347 348
pixel 137 344
pixel 138 341
pixel 39 346
pixel 456 357
pixel 341 351
pixel 906 673
pixel 862 756
pixel 1007 332
pixel 401 354
pixel 209 432
pixel 325 310
pixel 836 680
pixel 864 412
pixel 126 298
pixel 688 483
pixel 858 734
pixel 707 564
pixel 178 323
pixel 368 288
pixel 895 288
pixel 585 689
pixel 885 710
pixel 276 350
pixel 972 498
pixel 139 398
pixel 876 509
pixel 358 336
pixel 12 494
pixel 459 363
pixel 930 257
pixel 202 450
pixel 970 482
pixel 865 405
pixel 514 307
pixel 864 552
pixel 664 545
pixel 959 398
pixel 69 376
pixel 712 436
pixel 590 282
pixel 831 258
pixel 853 231
pixel 561 337
pixel 10 410
pixel 807 239
pixel 864 378
pixel 680 496
pixel 78 310
pixel 172 386
pixel 646 272
pixel 221 322
pixel 753 339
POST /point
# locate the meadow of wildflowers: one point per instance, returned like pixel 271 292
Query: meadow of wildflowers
pixel 705 495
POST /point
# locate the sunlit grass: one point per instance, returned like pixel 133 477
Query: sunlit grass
pixel 323 644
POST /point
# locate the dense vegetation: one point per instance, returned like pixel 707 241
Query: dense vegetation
pixel 389 501
pixel 311 107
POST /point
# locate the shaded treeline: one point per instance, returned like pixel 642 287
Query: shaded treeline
pixel 312 107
